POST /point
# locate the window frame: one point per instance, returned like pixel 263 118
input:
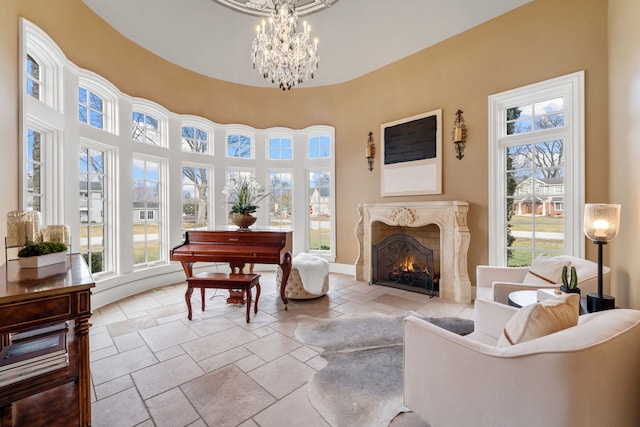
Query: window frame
pixel 110 238
pixel 210 197
pixel 202 126
pixel 163 210
pixel 244 133
pixel 571 87
pixel 280 136
pixel 157 114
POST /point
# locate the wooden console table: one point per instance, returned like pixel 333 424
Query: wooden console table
pixel 34 297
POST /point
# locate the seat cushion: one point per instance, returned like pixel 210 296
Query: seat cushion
pixel 545 271
pixel 540 319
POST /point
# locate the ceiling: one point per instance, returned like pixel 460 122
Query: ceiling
pixel 356 36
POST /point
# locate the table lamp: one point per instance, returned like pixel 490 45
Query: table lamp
pixel 601 223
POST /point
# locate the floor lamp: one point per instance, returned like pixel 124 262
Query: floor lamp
pixel 601 223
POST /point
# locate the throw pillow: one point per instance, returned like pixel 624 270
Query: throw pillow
pixel 540 319
pixel 545 271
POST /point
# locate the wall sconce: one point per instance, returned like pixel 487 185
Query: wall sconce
pixel 371 151
pixel 601 223
pixel 459 134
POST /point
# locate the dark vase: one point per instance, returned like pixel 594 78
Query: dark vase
pixel 243 221
pixel 570 290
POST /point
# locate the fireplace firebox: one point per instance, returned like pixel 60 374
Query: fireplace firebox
pixel 401 261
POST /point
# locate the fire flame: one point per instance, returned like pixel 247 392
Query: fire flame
pixel 407 265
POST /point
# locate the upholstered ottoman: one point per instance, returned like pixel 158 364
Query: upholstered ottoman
pixel 294 288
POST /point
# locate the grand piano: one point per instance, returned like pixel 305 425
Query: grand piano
pixel 238 248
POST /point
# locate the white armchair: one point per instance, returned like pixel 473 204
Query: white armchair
pixel 496 283
pixel 586 375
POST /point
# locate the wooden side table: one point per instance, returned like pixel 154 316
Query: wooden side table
pixel 34 297
pixel 520 299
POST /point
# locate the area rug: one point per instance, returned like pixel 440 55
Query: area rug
pixel 362 384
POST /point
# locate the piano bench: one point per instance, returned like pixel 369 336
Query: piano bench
pixel 238 286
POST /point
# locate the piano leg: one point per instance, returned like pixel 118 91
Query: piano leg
pixel 187 296
pixel 286 269
pixel 248 303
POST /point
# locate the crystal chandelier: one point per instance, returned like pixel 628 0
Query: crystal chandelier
pixel 281 54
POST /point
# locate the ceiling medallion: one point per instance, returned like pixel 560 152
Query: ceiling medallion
pixel 280 53
pixel 265 7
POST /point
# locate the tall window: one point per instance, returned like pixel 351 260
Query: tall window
pixel 145 128
pixel 319 211
pixel 90 108
pixel 33 77
pixel 536 179
pixel 34 170
pixel 195 197
pixel 194 140
pixel 146 198
pixel 280 148
pixel 281 200
pixel 319 147
pixel 239 146
pixel 92 207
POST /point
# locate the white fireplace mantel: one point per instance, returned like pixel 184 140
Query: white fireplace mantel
pixel 449 216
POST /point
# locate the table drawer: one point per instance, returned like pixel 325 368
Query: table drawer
pixel 26 314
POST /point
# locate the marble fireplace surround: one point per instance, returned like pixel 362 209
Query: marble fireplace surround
pixel 449 216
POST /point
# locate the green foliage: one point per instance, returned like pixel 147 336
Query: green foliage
pixel 244 194
pixel 42 248
pixel 569 283
pixel 96 261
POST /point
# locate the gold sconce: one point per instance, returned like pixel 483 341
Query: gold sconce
pixel 371 151
pixel 459 134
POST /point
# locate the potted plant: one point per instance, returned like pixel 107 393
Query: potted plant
pixel 569 285
pixel 244 194
pixel 40 254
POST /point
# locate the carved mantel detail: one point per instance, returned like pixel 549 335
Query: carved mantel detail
pixel 449 216
pixel 403 217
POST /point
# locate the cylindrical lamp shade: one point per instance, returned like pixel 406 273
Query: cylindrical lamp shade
pixel 23 227
pixel 57 233
pixel 601 221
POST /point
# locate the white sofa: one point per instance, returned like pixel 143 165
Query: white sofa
pixel 586 375
pixel 496 283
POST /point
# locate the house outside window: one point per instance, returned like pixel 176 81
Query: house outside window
pixel 35 164
pixel 536 168
pixel 320 211
pixel 93 207
pixel 33 77
pixel 147 230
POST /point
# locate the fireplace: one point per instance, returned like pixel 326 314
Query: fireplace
pixel 447 219
pixel 401 261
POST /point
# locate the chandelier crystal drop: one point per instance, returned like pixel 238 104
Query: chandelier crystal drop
pixel 281 54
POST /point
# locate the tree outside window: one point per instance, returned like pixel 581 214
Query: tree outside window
pixel 195 197
pixel 145 128
pixel 280 201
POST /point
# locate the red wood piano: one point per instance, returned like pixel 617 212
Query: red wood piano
pixel 237 248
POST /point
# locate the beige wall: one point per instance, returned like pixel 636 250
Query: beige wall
pixel 541 40
pixel 624 145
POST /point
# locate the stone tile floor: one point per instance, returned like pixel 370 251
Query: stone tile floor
pixel 150 366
